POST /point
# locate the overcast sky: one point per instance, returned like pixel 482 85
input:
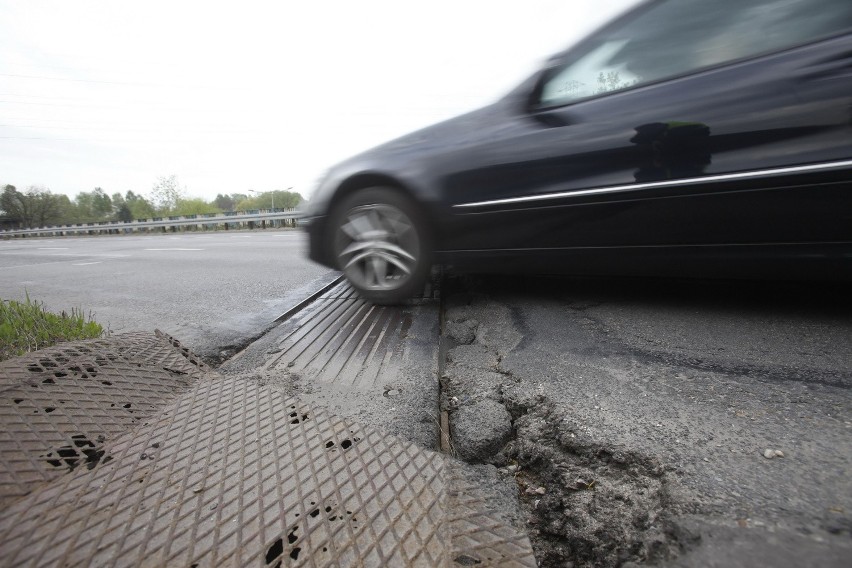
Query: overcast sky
pixel 232 96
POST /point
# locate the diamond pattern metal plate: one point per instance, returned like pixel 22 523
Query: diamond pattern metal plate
pixel 60 405
pixel 480 536
pixel 234 474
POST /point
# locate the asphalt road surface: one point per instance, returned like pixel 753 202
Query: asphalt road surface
pixel 688 423
pixel 694 423
pixel 212 291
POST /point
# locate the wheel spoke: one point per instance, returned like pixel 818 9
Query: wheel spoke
pixel 377 245
pixel 367 256
pixel 378 248
pixel 375 219
pixel 356 226
pixel 398 226
pixel 378 269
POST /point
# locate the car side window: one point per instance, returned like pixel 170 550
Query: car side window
pixel 674 37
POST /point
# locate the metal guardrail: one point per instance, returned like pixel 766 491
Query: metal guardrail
pixel 157 223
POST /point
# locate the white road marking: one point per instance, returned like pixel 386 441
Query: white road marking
pixel 36 264
pixel 52 248
pixel 82 254
pixel 86 263
pixel 174 249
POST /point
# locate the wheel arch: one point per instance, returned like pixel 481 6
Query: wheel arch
pixel 366 180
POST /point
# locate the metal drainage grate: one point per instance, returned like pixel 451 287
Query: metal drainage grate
pixel 234 474
pixel 60 405
pixel 343 339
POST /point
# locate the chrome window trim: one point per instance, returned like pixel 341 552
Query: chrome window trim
pixel 658 184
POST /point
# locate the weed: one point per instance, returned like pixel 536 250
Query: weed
pixel 28 326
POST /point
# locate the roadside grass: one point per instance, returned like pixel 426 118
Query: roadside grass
pixel 28 326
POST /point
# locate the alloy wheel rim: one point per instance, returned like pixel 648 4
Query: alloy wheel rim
pixel 379 248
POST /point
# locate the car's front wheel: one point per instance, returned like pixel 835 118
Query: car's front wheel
pixel 382 245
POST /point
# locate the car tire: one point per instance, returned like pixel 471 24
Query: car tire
pixel 382 244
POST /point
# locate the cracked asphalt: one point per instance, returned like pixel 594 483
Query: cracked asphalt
pixel 636 416
pixel 618 422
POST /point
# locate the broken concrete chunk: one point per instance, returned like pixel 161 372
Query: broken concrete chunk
pixel 472 385
pixel 497 327
pixel 480 430
pixel 461 332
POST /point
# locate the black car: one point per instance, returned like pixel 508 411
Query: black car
pixel 686 137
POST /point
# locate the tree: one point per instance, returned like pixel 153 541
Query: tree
pixel 67 210
pixel 117 202
pixel 120 209
pixel 14 205
pixel 229 202
pixel 124 214
pixel 287 199
pixel 46 206
pixel 101 204
pixel 93 206
pixel 140 208
pixel 194 206
pixel 36 207
pixel 247 204
pixel 224 202
pixel 282 200
pixel 166 193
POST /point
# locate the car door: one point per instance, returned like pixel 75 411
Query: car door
pixel 685 124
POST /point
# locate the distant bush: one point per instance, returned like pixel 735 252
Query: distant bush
pixel 28 326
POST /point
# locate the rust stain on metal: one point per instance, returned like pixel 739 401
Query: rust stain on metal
pixel 60 406
pixel 234 474
pixel 446 442
pixel 227 471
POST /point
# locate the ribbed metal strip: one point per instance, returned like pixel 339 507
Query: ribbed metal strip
pixel 342 291
pixel 341 338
